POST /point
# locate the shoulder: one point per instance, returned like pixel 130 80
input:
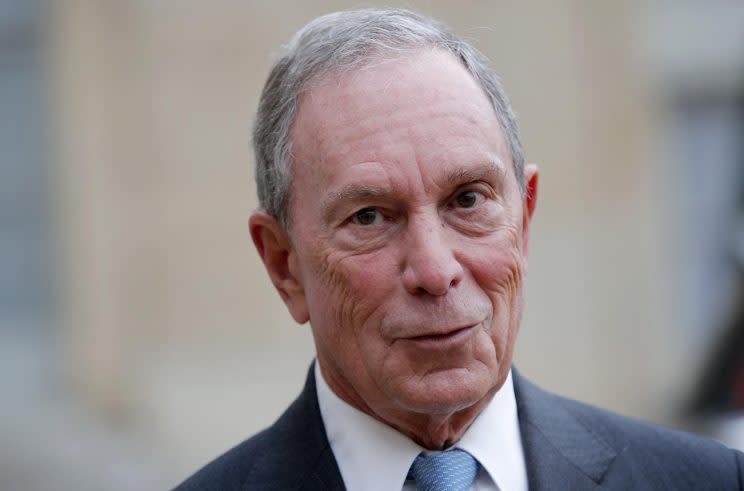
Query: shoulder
pixel 268 461
pixel 643 453
pixel 651 440
pixel 233 469
pixel 287 455
pixel 668 458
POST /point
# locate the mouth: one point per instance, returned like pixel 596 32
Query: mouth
pixel 444 339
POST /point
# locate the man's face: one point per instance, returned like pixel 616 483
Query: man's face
pixel 408 235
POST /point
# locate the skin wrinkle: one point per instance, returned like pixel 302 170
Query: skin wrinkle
pixel 430 264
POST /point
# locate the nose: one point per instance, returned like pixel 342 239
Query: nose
pixel 430 264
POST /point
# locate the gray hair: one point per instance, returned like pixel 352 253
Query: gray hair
pixel 343 41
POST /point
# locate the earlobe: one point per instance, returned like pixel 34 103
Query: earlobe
pixel 276 251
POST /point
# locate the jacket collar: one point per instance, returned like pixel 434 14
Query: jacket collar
pixel 301 448
pixel 560 451
pixel 324 474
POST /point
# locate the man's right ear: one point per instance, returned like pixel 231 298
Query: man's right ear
pixel 280 259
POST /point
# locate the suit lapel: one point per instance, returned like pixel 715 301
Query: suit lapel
pixel 560 452
pixel 317 463
pixel 326 476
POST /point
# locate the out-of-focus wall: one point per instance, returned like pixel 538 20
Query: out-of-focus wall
pixel 171 327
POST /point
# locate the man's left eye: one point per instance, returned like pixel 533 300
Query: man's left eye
pixel 468 199
pixel 367 216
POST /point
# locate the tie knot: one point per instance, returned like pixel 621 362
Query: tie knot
pixel 452 470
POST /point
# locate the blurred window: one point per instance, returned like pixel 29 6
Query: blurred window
pixel 24 271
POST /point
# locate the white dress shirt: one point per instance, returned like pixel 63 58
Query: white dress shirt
pixel 373 456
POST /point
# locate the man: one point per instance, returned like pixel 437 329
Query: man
pixel 395 218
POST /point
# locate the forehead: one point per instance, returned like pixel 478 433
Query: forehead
pixel 421 107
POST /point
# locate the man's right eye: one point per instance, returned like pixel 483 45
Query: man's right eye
pixel 367 216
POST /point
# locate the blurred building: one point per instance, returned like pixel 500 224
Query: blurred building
pixel 137 322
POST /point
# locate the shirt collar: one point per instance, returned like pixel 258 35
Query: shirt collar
pixel 494 440
pixel 372 455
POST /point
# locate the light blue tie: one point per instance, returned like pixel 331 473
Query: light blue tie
pixel 452 470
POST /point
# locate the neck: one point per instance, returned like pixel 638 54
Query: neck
pixel 431 431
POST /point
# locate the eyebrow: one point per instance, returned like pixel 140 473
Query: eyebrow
pixel 489 170
pixel 357 192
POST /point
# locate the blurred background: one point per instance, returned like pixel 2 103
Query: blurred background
pixel 137 325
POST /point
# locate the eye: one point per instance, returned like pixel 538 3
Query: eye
pixel 367 216
pixel 468 199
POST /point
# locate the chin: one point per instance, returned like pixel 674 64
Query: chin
pixel 445 391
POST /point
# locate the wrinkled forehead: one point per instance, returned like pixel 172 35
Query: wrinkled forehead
pixel 379 94
pixel 388 68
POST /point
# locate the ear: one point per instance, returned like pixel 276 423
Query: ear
pixel 529 202
pixel 280 259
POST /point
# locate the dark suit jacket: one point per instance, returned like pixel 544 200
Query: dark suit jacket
pixel 567 445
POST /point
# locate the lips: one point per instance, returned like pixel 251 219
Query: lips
pixel 444 338
pixel 444 333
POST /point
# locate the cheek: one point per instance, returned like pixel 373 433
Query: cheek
pixel 352 288
pixel 498 266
